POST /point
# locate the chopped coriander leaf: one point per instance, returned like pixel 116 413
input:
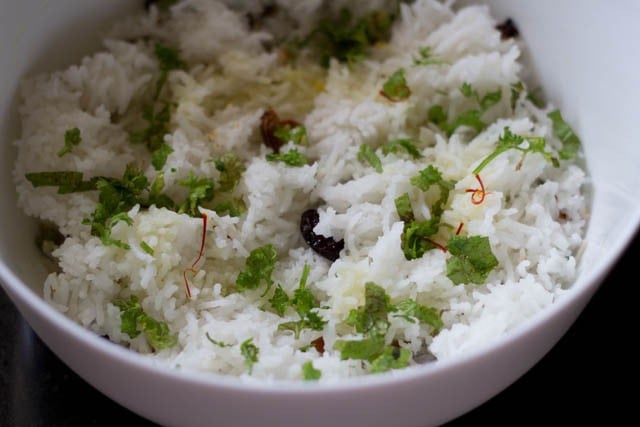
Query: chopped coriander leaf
pixel 279 301
pixel 425 57
pixel 258 268
pixel 250 353
pixel 368 155
pixel 410 310
pixel 395 89
pixel 372 317
pixel 218 343
pixel 288 133
pixel 145 247
pixel 71 139
pixel 570 141
pixel 231 169
pixel 291 158
pixel 438 116
pixel 168 58
pixel 309 373
pixel 391 358
pixel 406 143
pixel 509 140
pixel 471 260
pixel 200 191
pixel 66 181
pixel 134 321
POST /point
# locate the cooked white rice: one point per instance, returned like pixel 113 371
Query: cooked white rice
pixel 534 216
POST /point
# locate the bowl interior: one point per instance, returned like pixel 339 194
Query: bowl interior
pixel 581 52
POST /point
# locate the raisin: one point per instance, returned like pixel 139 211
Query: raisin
pixel 269 124
pixel 324 246
pixel 508 29
pixel 318 343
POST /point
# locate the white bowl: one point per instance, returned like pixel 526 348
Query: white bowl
pixel 584 53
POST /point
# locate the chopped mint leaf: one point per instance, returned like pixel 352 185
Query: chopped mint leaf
pixel 134 320
pixel 156 197
pixel 309 373
pixel 291 158
pixel 168 58
pixel 395 89
pixel 231 169
pixel 71 139
pixel 391 358
pixel 405 143
pixel 368 155
pixel 258 268
pixel 570 141
pixel 471 260
pixel 250 353
pixel 200 191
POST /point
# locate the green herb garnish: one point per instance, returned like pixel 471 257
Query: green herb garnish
pixel 158 114
pixel 395 89
pixel 346 40
pixel 368 155
pixel 66 181
pixel 291 158
pixel 258 268
pixel 411 310
pixel 309 373
pixel 134 321
pixel 231 169
pixel 279 301
pixel 296 134
pixel 145 247
pixel 200 191
pixel 425 57
pixel 471 261
pixel 234 207
pixel 215 342
pixel 372 321
pixel 407 144
pixel 509 140
pixel 470 118
pixel 391 358
pixel 303 302
pixel 570 141
pixel 250 353
pixel 71 139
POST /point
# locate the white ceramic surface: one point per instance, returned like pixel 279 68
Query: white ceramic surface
pixel 585 54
